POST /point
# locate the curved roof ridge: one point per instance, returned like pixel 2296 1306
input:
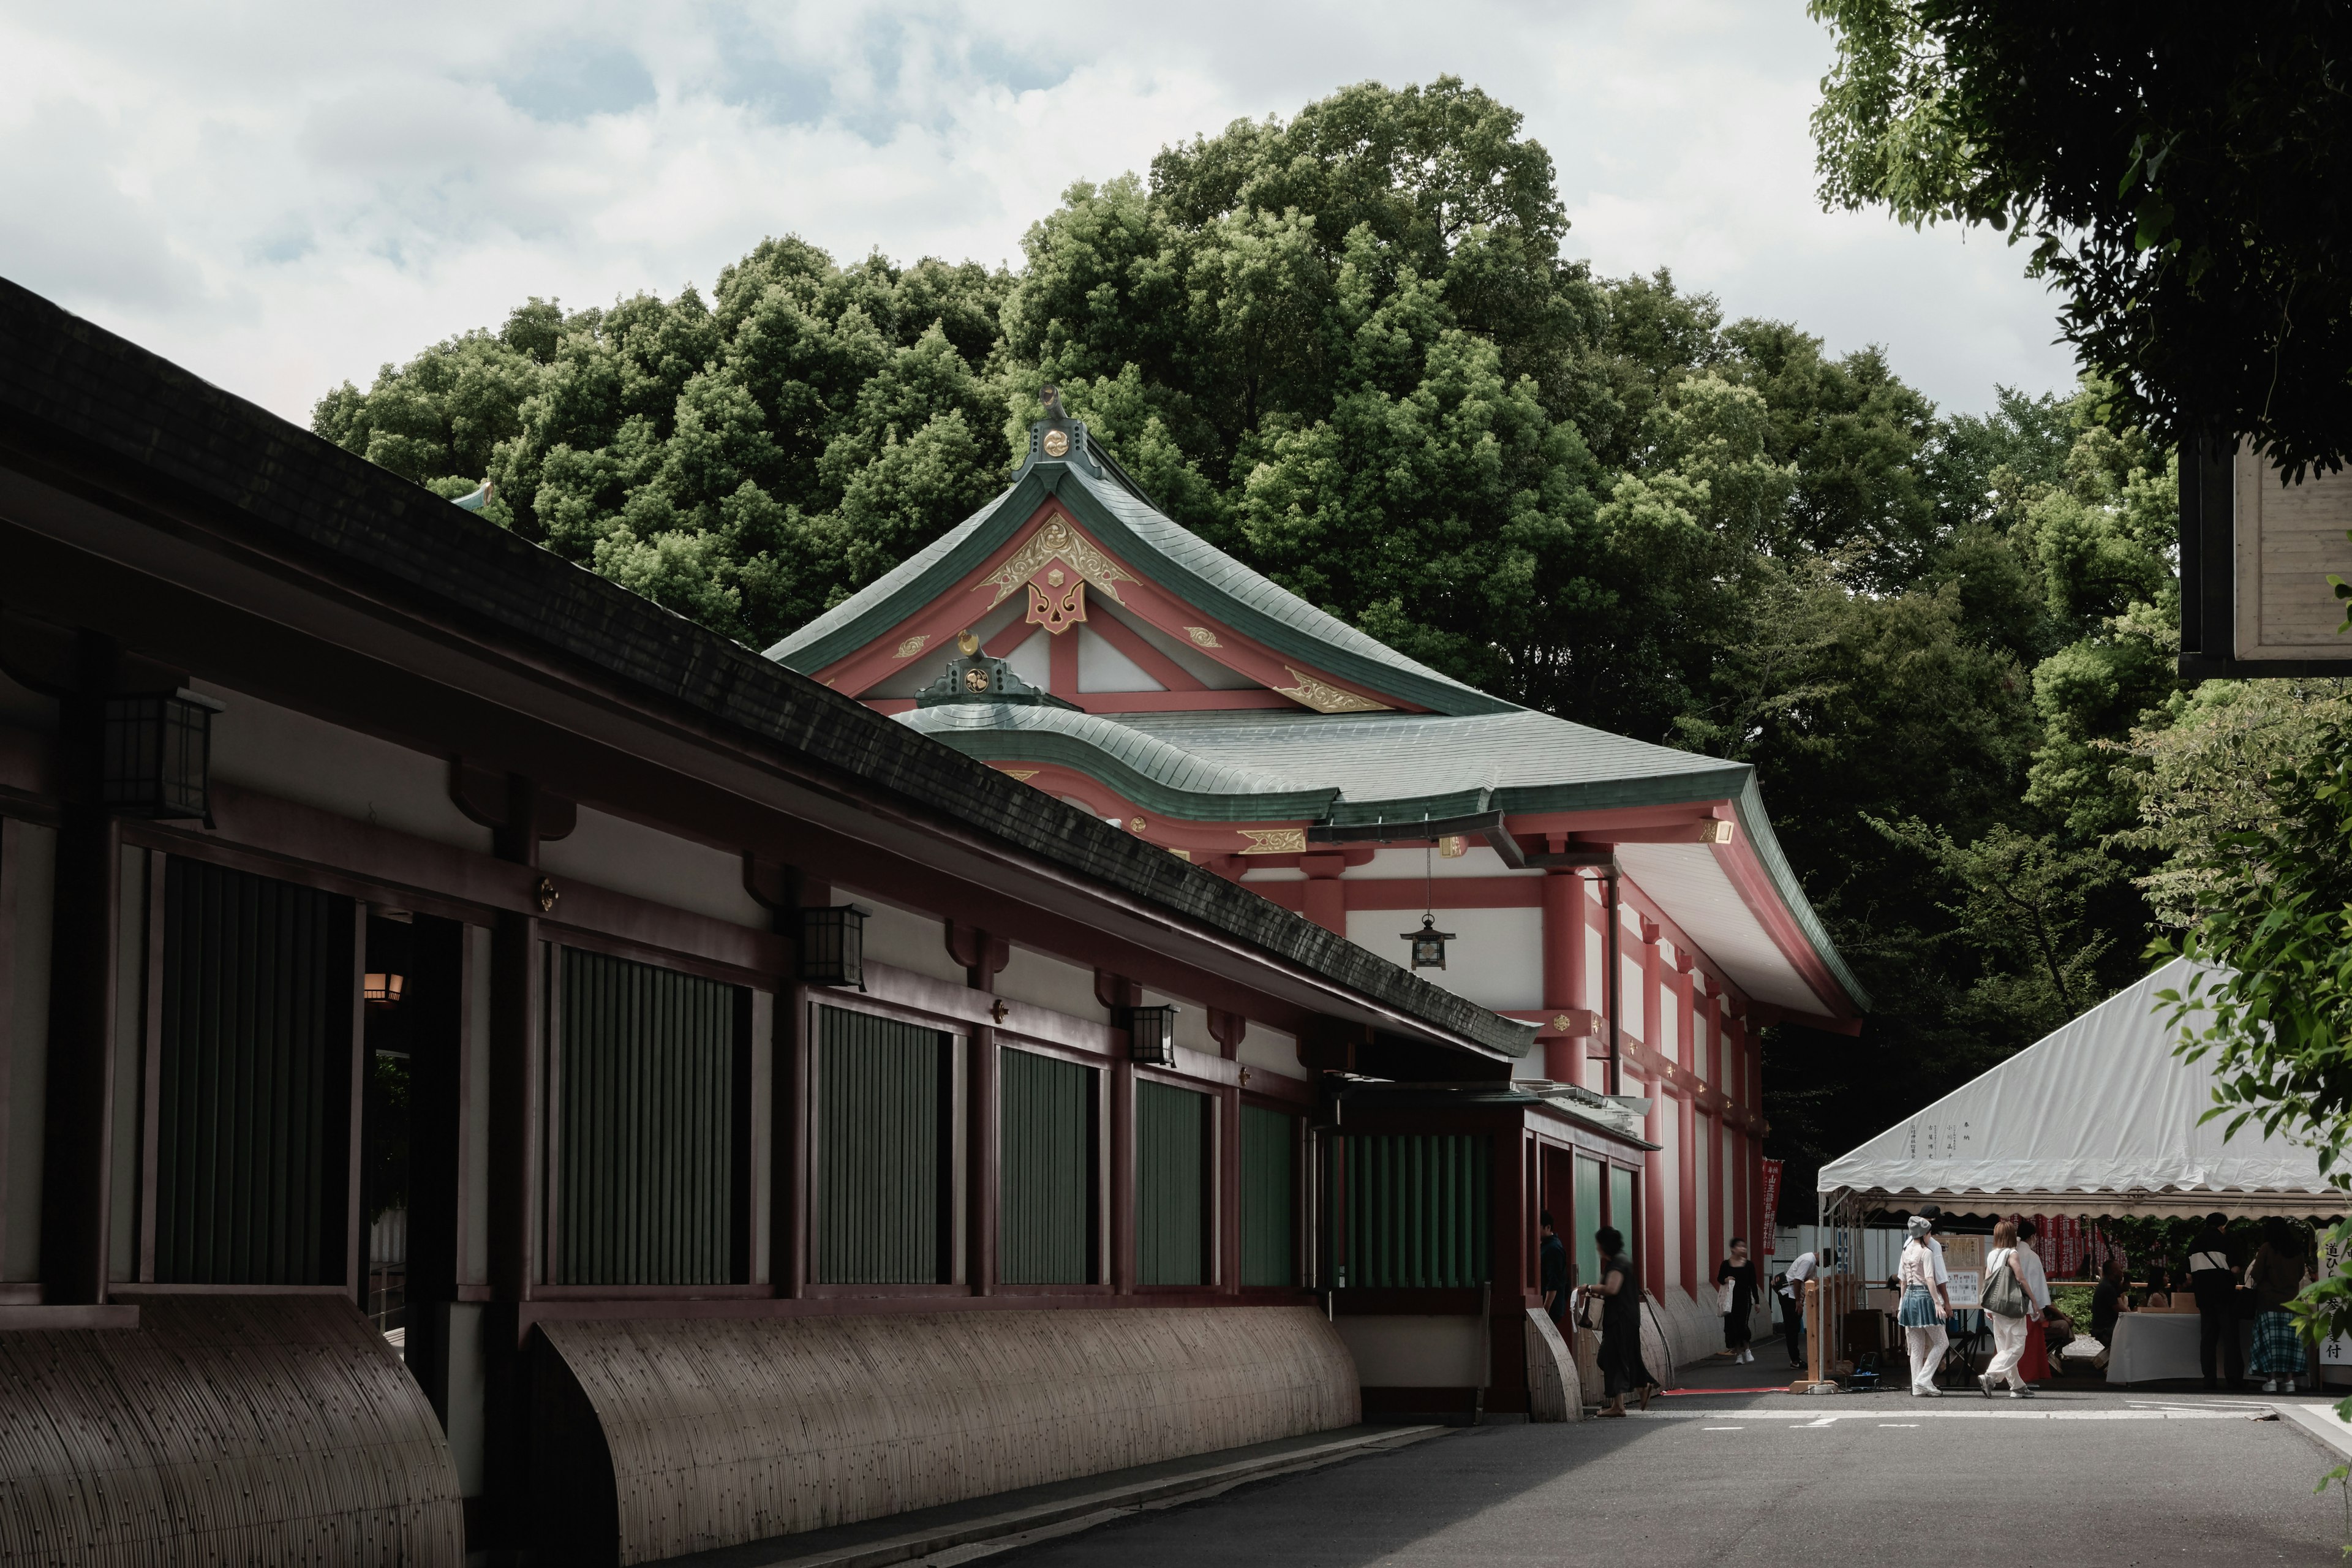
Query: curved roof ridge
pixel 1146 769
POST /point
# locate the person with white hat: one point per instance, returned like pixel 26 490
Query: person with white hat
pixel 1925 1307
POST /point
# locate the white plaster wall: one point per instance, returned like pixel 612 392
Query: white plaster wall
pixel 1102 668
pixel 1045 982
pixel 1496 960
pixel 1195 662
pixel 1033 661
pixel 28 1051
pixel 1475 861
pixel 1415 1351
pixel 1271 1049
pixel 1596 970
pixel 1273 874
pixel 1707 1158
pixel 905 939
pixel 630 857
pixel 1631 998
pixel 282 753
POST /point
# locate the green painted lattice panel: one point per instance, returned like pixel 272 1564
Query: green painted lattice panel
pixel 1045 1165
pixel 1171 1141
pixel 1268 1196
pixel 883 1195
pixel 1419 1211
pixel 1587 1220
pixel 647 1142
pixel 253 1084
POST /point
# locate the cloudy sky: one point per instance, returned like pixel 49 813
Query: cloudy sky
pixel 283 195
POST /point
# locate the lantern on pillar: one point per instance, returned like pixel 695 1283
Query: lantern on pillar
pixel 1428 943
pixel 832 946
pixel 1152 1036
pixel 159 754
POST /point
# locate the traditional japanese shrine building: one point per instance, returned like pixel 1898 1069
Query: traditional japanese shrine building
pixel 1073 636
pixel 778 1114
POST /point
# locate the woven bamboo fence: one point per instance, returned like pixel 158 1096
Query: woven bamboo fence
pixel 714 1433
pixel 224 1429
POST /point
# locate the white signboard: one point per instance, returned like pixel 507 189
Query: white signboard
pixel 1964 1260
pixel 2338 1351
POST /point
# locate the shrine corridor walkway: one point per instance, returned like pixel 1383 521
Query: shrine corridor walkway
pixel 2092 1477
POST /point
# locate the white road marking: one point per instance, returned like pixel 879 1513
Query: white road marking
pixel 1722 1428
pixel 1898 1423
pixel 1805 1418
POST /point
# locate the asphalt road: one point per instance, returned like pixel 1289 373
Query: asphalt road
pixel 2093 1478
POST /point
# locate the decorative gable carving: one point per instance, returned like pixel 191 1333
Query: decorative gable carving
pixel 1056 539
pixel 1326 697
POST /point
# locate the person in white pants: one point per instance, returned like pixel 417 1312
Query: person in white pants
pixel 1925 1304
pixel 2008 1332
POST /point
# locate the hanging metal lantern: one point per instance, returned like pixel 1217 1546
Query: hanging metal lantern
pixel 1152 1036
pixel 832 946
pixel 1428 943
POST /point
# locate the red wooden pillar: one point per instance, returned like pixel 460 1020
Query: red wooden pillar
pixel 1326 898
pixel 1653 1260
pixel 85 916
pixel 1723 1150
pixel 983 957
pixel 1563 970
pixel 1114 993
pixel 1227 1030
pixel 1686 1153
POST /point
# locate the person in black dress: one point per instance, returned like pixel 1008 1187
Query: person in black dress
pixel 1738 1272
pixel 1619 1290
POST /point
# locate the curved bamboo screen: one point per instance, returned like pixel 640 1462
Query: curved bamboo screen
pixel 680 1436
pixel 261 1429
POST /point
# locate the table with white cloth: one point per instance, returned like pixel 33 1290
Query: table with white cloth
pixel 2149 1347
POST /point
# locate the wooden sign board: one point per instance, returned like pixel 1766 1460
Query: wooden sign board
pixel 2255 557
pixel 1964 1258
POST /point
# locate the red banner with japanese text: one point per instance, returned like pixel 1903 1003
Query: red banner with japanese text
pixel 1769 1196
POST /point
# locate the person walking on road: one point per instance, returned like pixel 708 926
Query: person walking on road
pixel 1925 1304
pixel 2276 1276
pixel 1619 1290
pixel 1554 1274
pixel 2036 1367
pixel 1792 1304
pixel 2009 1303
pixel 2215 1285
pixel 1735 1279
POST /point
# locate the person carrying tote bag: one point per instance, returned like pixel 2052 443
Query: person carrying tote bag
pixel 2006 1306
pixel 1736 1293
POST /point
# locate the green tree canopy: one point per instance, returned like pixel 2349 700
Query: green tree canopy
pixel 1346 348
pixel 2176 170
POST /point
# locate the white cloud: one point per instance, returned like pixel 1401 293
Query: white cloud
pixel 283 197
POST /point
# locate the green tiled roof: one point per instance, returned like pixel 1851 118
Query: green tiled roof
pixel 1153 774
pixel 1179 560
pixel 1472 752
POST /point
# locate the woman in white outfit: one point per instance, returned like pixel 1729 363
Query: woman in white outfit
pixel 2008 1330
pixel 1925 1307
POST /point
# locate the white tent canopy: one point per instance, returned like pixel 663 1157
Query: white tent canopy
pixel 2098 1118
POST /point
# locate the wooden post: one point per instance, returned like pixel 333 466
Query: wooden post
pixel 1563 969
pixel 77 1152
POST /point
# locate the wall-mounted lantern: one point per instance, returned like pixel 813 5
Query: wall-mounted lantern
pixel 388 952
pixel 832 946
pixel 1152 1036
pixel 158 754
pixel 1428 943
pixel 382 990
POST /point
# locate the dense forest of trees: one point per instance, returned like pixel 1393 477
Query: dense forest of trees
pixel 1346 348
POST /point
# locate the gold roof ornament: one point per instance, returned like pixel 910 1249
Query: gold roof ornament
pixel 968 643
